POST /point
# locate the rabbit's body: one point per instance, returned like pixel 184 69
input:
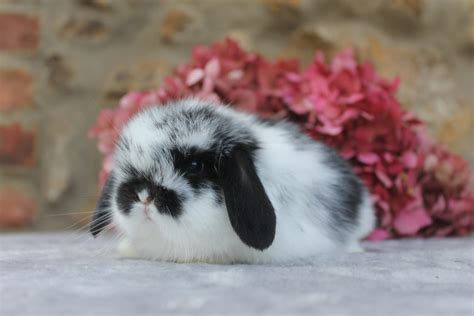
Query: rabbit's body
pixel 264 191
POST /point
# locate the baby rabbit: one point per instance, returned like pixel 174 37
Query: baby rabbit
pixel 195 181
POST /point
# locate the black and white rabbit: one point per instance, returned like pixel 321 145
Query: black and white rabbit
pixel 194 181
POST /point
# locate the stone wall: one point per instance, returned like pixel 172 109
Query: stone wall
pixel 62 61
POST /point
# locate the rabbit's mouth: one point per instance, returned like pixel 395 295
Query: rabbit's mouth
pixel 146 211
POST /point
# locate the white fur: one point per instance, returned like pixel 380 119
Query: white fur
pixel 203 231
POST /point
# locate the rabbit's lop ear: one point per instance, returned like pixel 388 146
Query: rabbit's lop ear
pixel 103 213
pixel 250 211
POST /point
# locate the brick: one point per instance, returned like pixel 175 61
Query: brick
pixel 18 32
pixel 16 89
pixel 16 208
pixel 17 146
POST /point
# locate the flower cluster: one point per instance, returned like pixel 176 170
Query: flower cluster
pixel 418 187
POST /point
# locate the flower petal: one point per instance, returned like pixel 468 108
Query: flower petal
pixel 383 177
pixel 194 76
pixel 330 130
pixel 409 159
pixel 212 68
pixel 368 158
pixel 409 222
pixel 379 234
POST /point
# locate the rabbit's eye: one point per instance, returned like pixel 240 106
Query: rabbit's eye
pixel 195 167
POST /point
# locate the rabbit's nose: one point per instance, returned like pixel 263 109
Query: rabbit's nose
pixel 145 197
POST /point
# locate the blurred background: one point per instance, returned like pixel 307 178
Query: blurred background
pixel 61 62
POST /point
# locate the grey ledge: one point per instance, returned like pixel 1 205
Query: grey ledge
pixel 73 274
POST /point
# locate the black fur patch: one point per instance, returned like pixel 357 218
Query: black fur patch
pixel 250 211
pixel 101 217
pixel 344 209
pixel 127 194
pixel 183 160
pixel 166 201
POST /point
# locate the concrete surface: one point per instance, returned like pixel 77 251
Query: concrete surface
pixel 68 274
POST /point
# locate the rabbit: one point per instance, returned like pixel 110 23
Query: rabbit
pixel 194 181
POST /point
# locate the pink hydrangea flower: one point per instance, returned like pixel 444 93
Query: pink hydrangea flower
pixel 419 188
